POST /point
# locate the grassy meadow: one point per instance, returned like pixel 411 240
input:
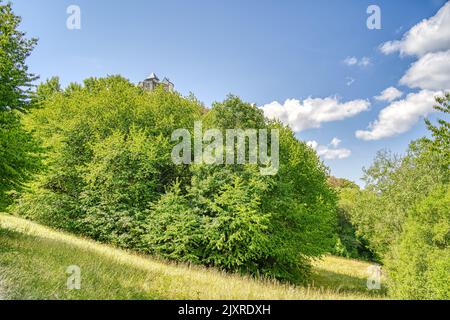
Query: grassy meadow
pixel 34 259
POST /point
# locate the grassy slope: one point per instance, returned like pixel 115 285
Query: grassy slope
pixel 33 262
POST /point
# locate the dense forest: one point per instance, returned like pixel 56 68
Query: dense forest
pixel 94 159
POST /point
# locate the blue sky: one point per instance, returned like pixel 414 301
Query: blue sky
pixel 262 51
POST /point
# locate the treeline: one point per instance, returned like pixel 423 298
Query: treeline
pixel 402 216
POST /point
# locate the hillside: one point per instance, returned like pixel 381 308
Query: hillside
pixel 34 259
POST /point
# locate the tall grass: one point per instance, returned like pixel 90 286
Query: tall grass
pixel 34 259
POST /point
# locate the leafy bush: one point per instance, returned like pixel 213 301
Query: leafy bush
pixel 420 263
pixel 18 151
pixel 174 231
pixel 227 231
pixel 349 243
pixel 126 173
pixel 18 156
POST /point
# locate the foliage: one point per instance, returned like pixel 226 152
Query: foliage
pixel 125 174
pixel 404 213
pixel 102 139
pixel 18 151
pixel 441 133
pixel 238 220
pixel 228 231
pixel 348 244
pixel 394 186
pixel 18 156
pixel 109 175
pixel 420 264
pixel 15 80
pixel 45 90
pixel 174 231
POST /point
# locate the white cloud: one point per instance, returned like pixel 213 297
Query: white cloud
pixel 432 72
pixel 400 116
pixel 350 61
pixel 335 142
pixel 430 41
pixel 312 112
pixel 363 62
pixel 389 94
pixel 330 153
pixel 313 144
pixel 430 35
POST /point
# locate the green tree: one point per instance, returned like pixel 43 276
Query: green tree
pixel 419 262
pixel 441 132
pixel 394 185
pixel 419 265
pixel 15 80
pixel 349 243
pixel 18 151
pixel 104 141
pixel 173 229
pixel 45 91
pixel 404 213
pixel 127 172
pixel 18 157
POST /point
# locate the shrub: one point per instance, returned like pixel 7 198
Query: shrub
pixel 19 158
pixel 419 265
pixel 349 243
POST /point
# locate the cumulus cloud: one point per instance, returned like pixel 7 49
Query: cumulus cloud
pixel 330 153
pixel 351 61
pixel 389 94
pixel 400 116
pixel 432 71
pixel 312 112
pixel 430 35
pixel 429 40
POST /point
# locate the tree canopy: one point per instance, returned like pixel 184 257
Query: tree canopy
pixel 15 48
pixel 18 157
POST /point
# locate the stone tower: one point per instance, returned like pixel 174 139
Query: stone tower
pixel 152 81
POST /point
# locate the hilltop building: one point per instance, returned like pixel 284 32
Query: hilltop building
pixel 152 82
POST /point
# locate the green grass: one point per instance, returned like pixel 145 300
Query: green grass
pixel 34 259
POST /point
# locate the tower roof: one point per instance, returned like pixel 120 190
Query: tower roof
pixel 152 76
pixel 166 81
